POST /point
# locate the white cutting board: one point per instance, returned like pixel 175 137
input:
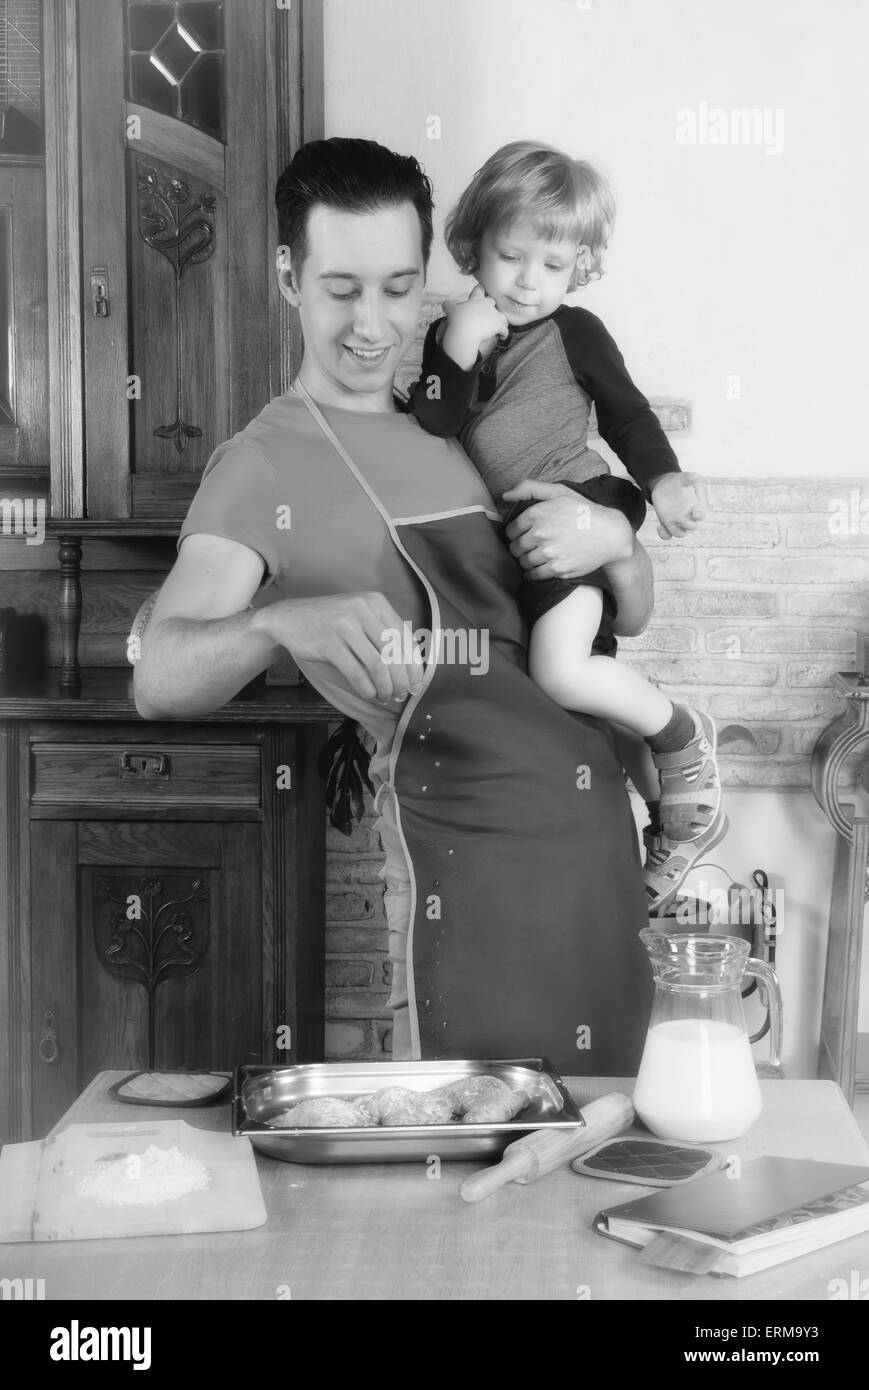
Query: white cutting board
pixel 39 1201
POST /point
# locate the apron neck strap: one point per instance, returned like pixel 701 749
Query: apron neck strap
pixel 322 422
pixel 343 454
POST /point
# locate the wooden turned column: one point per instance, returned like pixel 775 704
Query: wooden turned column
pixel 69 606
pixel 845 738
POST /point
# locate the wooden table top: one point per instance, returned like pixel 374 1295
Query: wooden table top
pixel 107 693
pixel 388 1231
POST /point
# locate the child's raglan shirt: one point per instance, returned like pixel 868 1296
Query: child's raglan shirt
pixel 524 412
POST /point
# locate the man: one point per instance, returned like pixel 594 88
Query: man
pixel 513 889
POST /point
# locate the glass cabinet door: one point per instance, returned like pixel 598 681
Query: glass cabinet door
pixel 23 300
pixel 178 161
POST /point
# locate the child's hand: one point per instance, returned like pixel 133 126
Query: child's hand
pixel 471 323
pixel 678 502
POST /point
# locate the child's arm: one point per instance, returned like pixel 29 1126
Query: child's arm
pixel 625 419
pixel 677 499
pixel 630 426
pixel 451 361
pixel 443 394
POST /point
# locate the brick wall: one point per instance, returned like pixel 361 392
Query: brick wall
pixel 358 1023
pixel 755 611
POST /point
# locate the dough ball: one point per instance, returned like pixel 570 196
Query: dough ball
pixel 322 1112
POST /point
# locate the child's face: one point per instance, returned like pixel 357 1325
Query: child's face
pixel 526 276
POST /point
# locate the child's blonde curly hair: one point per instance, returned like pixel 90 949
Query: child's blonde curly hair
pixel 562 199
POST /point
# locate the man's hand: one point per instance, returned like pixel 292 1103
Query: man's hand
pixel 353 633
pixel 472 325
pixel 679 504
pixel 204 642
pixel 565 535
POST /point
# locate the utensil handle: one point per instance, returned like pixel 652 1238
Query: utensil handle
pixel 604 1118
pixel 522 1163
pixel 512 1168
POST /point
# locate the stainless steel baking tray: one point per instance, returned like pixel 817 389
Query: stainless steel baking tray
pixel 262 1091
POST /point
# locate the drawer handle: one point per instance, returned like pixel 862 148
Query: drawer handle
pixel 48 1048
pixel 144 765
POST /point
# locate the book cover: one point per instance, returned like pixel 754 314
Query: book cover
pixel 728 1208
pixel 745 1229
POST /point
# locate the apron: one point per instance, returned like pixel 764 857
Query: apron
pixel 526 894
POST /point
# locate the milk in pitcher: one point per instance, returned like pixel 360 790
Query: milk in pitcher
pixel 697 1081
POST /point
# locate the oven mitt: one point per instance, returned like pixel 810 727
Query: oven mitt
pixel 651 1162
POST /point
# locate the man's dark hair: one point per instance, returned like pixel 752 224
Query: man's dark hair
pixel 352 176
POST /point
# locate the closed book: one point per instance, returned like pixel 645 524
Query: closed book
pixel 765 1212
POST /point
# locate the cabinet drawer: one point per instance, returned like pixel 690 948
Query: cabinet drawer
pixel 145 774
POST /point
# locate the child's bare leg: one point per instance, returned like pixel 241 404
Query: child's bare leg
pixel 560 663
pixel 681 741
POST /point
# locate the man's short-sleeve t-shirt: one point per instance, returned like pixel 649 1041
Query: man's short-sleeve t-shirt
pixel 280 488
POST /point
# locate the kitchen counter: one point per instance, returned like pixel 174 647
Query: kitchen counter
pixel 391 1232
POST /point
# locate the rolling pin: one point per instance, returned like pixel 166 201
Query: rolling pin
pixel 536 1154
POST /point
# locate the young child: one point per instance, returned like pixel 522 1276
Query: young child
pixel 512 372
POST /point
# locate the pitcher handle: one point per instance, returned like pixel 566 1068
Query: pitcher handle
pixel 767 975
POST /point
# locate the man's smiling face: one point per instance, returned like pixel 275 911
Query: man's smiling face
pixel 359 293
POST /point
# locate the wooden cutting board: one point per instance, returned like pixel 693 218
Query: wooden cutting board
pixel 38 1181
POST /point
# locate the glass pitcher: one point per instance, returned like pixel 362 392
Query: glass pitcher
pixel 697 1080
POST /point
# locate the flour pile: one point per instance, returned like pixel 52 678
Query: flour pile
pixel 157 1175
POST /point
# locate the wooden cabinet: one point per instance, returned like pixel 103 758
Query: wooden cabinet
pixel 139 248
pixel 170 330
pixel 162 331
pixel 147 939
pixel 162 896
pixel 176 217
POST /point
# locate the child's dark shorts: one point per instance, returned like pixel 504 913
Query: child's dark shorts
pixel 537 596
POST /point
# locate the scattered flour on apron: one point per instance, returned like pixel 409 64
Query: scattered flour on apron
pixel 156 1175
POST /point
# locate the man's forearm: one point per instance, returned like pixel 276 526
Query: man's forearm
pixel 190 667
pixel 633 590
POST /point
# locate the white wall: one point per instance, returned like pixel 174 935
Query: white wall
pixel 726 260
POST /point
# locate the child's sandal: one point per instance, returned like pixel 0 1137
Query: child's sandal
pixel 690 784
pixel 668 863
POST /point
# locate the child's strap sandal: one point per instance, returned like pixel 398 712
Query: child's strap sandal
pixel 668 863
pixel 690 784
